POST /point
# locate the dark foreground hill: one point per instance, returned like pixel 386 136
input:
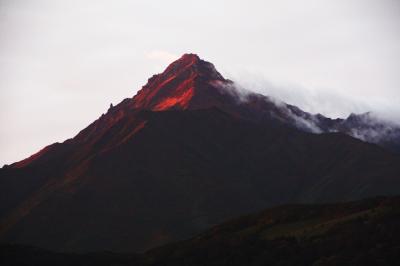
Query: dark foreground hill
pixel 355 233
pixel 184 154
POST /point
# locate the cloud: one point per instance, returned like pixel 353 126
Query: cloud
pixel 329 102
pixel 160 55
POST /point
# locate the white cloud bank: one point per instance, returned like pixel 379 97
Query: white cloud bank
pixel 332 103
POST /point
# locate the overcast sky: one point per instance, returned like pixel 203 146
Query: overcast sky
pixel 63 62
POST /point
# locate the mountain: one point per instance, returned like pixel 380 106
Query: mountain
pixel 355 233
pixel 190 150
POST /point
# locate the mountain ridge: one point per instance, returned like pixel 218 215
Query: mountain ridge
pixel 192 83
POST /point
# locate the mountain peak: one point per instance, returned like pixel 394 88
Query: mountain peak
pixel 185 61
pixel 195 65
pixel 190 57
pixel 185 83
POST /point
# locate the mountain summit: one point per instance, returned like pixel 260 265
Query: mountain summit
pixel 187 152
pixel 187 83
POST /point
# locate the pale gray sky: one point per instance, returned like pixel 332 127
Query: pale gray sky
pixel 63 62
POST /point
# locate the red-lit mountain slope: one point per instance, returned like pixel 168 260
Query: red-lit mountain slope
pixel 187 152
pixel 188 83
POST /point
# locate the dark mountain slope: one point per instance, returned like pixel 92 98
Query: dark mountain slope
pixel 185 171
